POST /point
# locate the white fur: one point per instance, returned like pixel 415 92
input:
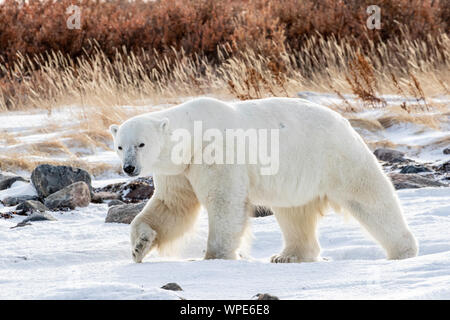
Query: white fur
pixel 323 161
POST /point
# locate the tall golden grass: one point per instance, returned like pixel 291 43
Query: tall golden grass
pixel 416 68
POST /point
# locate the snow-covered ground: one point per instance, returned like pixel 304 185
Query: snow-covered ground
pixel 81 257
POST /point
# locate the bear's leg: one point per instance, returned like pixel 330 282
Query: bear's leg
pixel 223 192
pixel 169 214
pixel 384 220
pixel 299 226
pixel 227 225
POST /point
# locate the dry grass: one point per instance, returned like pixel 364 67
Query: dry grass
pixel 321 65
pixel 20 162
pixel 381 144
pixel 8 138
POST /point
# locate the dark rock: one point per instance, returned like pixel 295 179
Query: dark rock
pixel 21 224
pixel 14 201
pixel 132 191
pixel 446 151
pixel 444 167
pixel 39 216
pixel 412 181
pixel 7 179
pixel 102 196
pixel 115 203
pixel 30 206
pixel 72 196
pixel 35 216
pixel 172 286
pixel 49 179
pixel 261 211
pixel 124 213
pixel 6 215
pixel 414 169
pixel 266 296
pixel 389 155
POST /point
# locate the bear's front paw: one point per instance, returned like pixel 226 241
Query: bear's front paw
pixel 142 240
pixel 140 249
pixel 280 258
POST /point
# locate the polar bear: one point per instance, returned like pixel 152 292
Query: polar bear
pixel 322 162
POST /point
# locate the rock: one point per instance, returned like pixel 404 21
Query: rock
pixel 414 169
pixel 6 215
pixel 35 216
pixel 102 196
pixel 412 181
pixel 115 203
pixel 389 155
pixel 7 179
pixel 39 216
pixel 30 206
pixel 172 286
pixel 21 224
pixel 72 196
pixel 266 296
pixel 444 167
pixel 138 192
pixel 133 191
pixel 48 179
pixel 124 213
pixel 261 211
pixel 446 151
pixel 14 201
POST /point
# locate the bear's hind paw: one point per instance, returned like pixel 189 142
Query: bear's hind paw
pixel 280 258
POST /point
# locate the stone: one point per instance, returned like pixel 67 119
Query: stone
pixel 133 191
pixel 30 206
pixel 124 213
pixel 115 203
pixel 102 196
pixel 412 181
pixel 14 201
pixel 389 155
pixel 6 215
pixel 72 196
pixel 172 286
pixel 443 167
pixel 266 296
pixel 7 179
pixel 414 169
pixel 48 179
pixel 35 216
pixel 21 224
pixel 446 151
pixel 39 216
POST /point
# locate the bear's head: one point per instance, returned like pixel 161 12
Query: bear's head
pixel 138 143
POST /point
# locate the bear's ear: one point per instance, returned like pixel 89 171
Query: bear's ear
pixel 113 128
pixel 164 124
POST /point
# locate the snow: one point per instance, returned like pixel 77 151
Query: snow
pixel 17 189
pixel 81 257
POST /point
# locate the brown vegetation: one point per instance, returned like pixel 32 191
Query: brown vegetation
pixel 132 51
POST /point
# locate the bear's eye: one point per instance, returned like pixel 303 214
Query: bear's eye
pixel 120 148
pixel 142 145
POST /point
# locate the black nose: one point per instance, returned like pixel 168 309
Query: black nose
pixel 129 169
